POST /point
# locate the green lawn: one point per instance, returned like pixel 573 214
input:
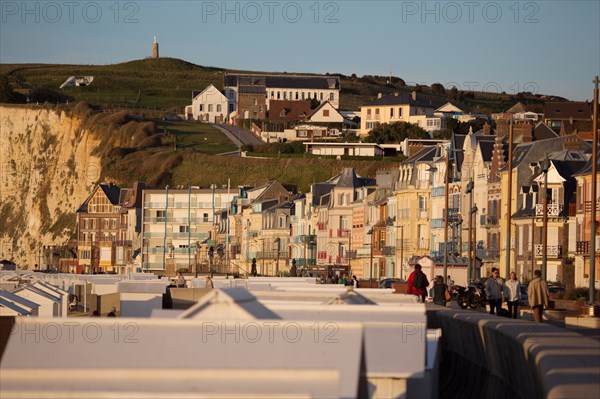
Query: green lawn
pixel 197 136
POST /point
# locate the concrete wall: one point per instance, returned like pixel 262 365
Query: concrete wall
pixel 513 358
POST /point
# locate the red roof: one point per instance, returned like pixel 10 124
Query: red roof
pixel 288 111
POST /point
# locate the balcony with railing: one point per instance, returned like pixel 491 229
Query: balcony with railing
pixel 343 233
pixel 341 260
pixel 388 250
pixel 588 206
pixel 309 262
pixel 582 247
pixel 489 221
pixel 553 251
pixel 553 209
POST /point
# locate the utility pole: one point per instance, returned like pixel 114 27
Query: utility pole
pixel 470 274
pixel 509 198
pixel 545 167
pixel 594 194
pixel 446 200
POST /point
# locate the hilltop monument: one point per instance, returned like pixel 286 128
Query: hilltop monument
pixel 155 48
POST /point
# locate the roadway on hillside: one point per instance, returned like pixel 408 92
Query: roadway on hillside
pixel 238 136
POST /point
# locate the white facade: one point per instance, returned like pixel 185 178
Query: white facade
pixel 326 113
pixel 275 88
pixel 429 123
pixel 209 106
pixel 340 149
pixel 176 231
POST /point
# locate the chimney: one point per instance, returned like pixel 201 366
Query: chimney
pixel 379 95
pixel 571 143
pixel 414 95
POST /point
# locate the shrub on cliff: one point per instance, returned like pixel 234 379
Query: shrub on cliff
pixel 7 94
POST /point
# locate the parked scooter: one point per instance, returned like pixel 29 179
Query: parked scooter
pixel 472 296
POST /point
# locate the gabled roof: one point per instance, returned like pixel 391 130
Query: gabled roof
pixel 133 199
pixel 196 93
pixel 568 109
pixel 289 110
pixel 350 297
pixel 537 150
pixel 323 105
pixel 39 292
pixel 19 299
pixel 587 168
pixel 449 107
pixel 320 190
pixel 111 191
pixel 518 107
pixel 14 307
pixel 426 154
pixel 541 131
pixel 228 304
pixel 487 150
pixel 349 179
pixel 583 128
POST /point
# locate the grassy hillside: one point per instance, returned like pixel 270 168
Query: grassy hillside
pixel 134 149
pixel 167 83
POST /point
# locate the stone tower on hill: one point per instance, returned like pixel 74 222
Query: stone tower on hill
pixel 155 48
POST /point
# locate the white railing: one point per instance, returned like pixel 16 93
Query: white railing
pixel 553 251
pixel 553 209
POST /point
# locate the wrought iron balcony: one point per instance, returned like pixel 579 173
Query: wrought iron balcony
pixel 553 251
pixel 387 250
pixel 582 247
pixel 553 209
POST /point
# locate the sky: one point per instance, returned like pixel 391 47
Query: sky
pixel 544 47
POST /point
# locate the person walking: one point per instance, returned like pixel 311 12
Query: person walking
pixel 538 296
pixel 439 291
pixel 418 283
pixel 493 291
pixel 511 294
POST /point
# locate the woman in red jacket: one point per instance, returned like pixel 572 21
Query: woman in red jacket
pixel 418 283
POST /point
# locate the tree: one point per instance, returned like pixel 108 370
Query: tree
pixel 395 133
pixel 457 127
pixel 7 94
pixel 453 93
pixel 438 88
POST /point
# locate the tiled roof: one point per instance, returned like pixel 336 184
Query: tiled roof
pixel 567 110
pixel 349 179
pixel 292 110
pixel 487 149
pixel 113 193
pixel 541 131
pixel 252 90
pixel 291 81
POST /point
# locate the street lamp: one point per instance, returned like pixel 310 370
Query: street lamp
pixel 454 225
pixel 277 241
pixel 544 166
pixel 592 290
pixel 470 187
pixel 446 196
pixel 370 232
